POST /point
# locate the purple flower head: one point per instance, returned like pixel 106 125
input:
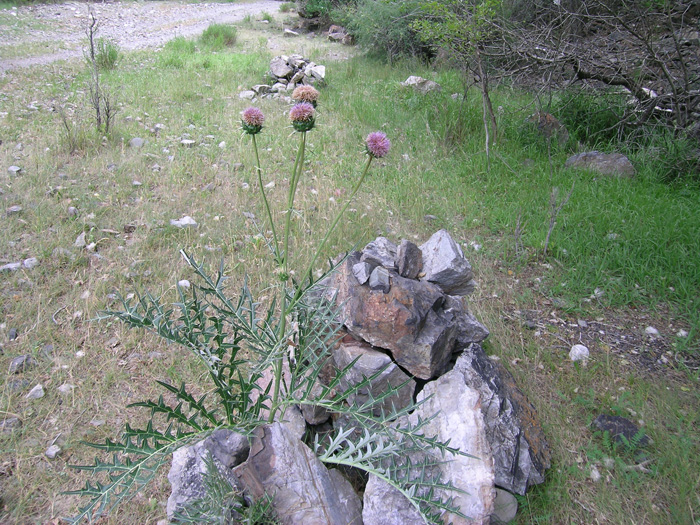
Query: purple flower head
pixel 377 144
pixel 252 120
pixel 302 116
pixel 306 94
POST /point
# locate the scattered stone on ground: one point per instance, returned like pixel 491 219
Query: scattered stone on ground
pixel 611 164
pixel 137 142
pixel 13 210
pixel 14 170
pixel 66 388
pixel 10 267
pixel 579 353
pixel 505 507
pixel 10 424
pixel 650 330
pixel 12 334
pixel 445 265
pixel 183 283
pixel 36 393
pixel 184 222
pixel 421 85
pixel 21 363
pixel 31 262
pixel 621 429
pixel 52 451
pixel 80 241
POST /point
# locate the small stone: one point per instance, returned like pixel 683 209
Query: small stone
pixel 136 183
pixel 379 280
pixel 650 330
pixel 80 241
pixel 222 144
pixel 14 170
pixel 12 210
pixel 21 363
pixel 95 422
pixel 17 385
pixel 72 211
pixel 361 271
pixel 290 33
pixel 10 267
pixel 184 222
pixel 30 263
pixel 530 325
pixel 682 333
pixel 12 334
pixel 505 507
pixel 409 259
pixel 66 388
pixel 184 283
pixel 63 253
pixel 10 424
pixel 52 451
pixel 622 430
pixel 188 143
pixel 582 323
pixel 36 393
pixel 579 353
pixel 595 474
pixel 137 142
pixel 270 185
pixel 247 95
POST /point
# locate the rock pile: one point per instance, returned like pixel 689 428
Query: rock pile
pixel 405 319
pixel 286 73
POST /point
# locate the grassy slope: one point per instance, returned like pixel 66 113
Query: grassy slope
pixel 196 93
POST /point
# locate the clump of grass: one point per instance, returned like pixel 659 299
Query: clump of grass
pixel 267 16
pixel 286 7
pixel 106 54
pixel 219 36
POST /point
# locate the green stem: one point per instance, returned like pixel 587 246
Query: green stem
pixel 298 168
pixel 258 169
pixel 309 273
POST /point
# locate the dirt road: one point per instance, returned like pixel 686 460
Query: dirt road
pixel 60 28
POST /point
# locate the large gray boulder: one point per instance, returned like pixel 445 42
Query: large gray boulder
pixel 370 361
pixel 457 418
pixel 302 489
pixel 469 329
pixel 408 319
pixel 611 164
pixel 518 443
pixel 189 468
pixel 444 264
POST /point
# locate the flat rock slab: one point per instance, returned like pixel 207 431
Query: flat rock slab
pixel 303 490
pixel 518 443
pixel 611 164
pixel 621 429
pixel 459 419
pixel 369 362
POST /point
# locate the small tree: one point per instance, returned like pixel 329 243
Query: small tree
pixel 101 99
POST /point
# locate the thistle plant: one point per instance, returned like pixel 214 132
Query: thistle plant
pixel 238 341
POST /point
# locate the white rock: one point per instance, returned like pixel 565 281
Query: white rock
pixel 80 241
pixel 650 330
pixel 270 185
pixel 188 143
pixel 247 95
pixel 184 283
pixel 682 333
pixel 579 353
pixel 318 72
pixel 14 209
pixel 184 222
pixel 52 451
pixel 30 263
pixel 222 144
pixel 66 388
pixel 290 33
pixel 36 393
pixel 595 474
pixel 14 170
pixel 10 267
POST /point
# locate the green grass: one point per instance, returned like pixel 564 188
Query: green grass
pixel 219 36
pixel 649 271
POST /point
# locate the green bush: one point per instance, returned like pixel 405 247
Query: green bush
pixel 219 36
pixel 385 27
pixel 106 54
pixel 286 7
pixel 177 51
pixel 591 118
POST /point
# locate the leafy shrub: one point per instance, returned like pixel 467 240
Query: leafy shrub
pixel 219 36
pixel 385 27
pixel 106 54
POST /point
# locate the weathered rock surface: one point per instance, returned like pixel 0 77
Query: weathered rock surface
pixel 379 280
pixel 228 449
pixel 409 259
pixel 444 264
pixel 469 329
pixel 380 252
pixel 422 85
pixel 21 363
pixel 519 447
pixel 407 320
pixel 385 505
pixel 303 490
pixel 459 419
pixel 369 362
pixel 612 164
pixel 505 507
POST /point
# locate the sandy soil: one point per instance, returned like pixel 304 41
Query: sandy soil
pixel 132 25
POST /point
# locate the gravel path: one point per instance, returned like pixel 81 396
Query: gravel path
pixel 133 25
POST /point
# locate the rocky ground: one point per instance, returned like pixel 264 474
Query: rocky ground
pixel 132 25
